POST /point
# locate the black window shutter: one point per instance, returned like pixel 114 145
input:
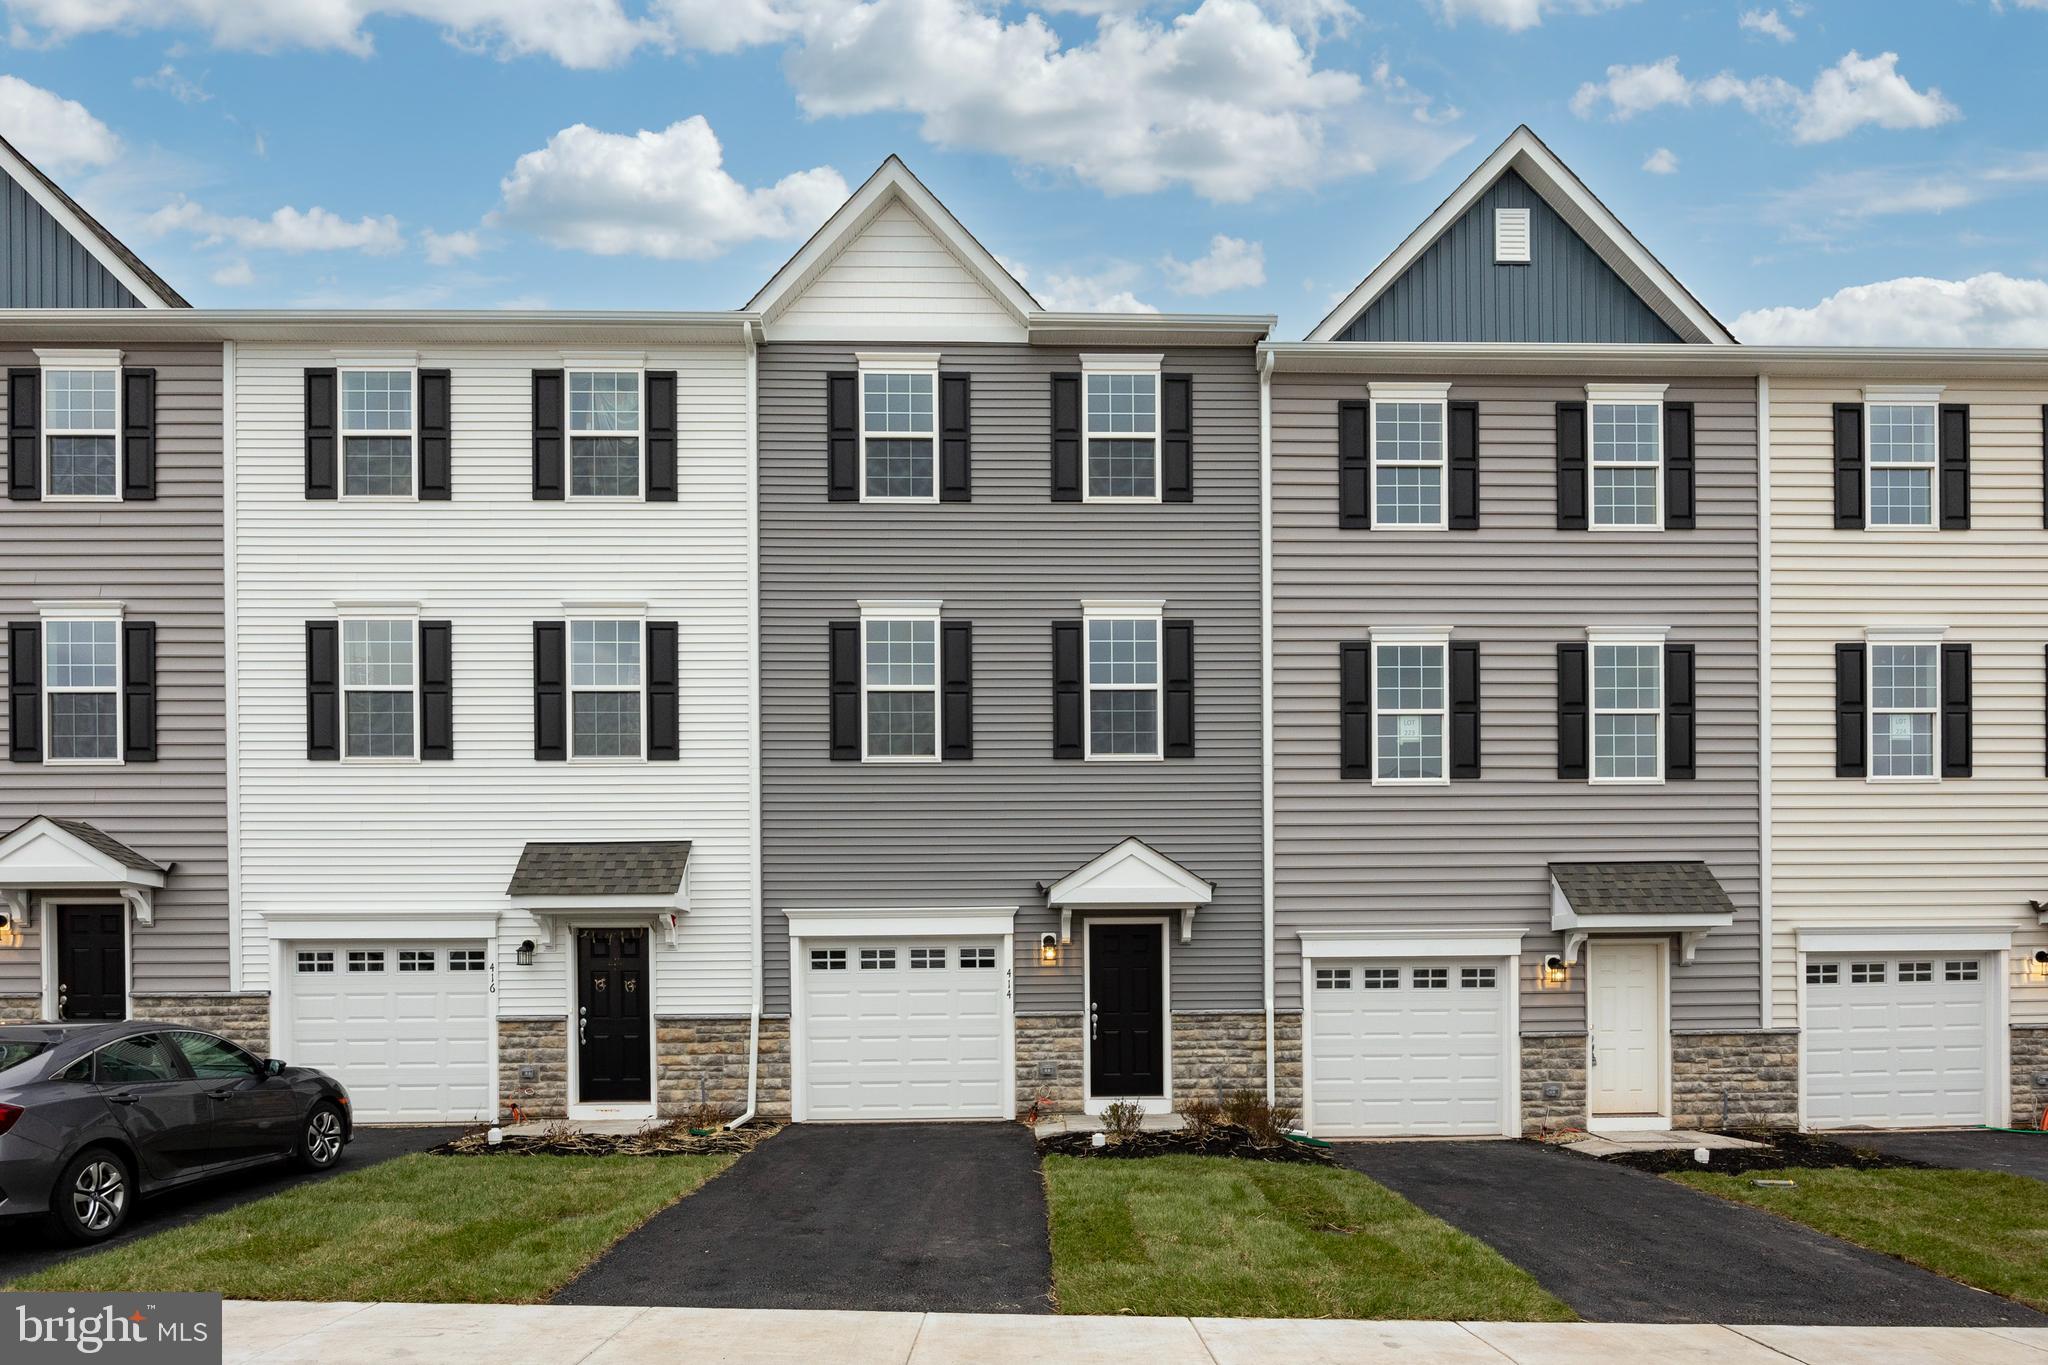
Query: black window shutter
pixel 551 691
pixel 956 438
pixel 1066 440
pixel 1354 466
pixel 1958 724
pixel 661 435
pixel 1571 471
pixel 1464 708
pixel 1354 711
pixel 1852 728
pixel 1574 717
pixel 1681 476
pixel 550 440
pixel 1178 650
pixel 1462 512
pixel 842 436
pixel 323 690
pixel 437 691
pixel 437 454
pixel 1681 712
pixel 138 435
pixel 1955 466
pixel 1069 699
pixel 1849 469
pixel 138 691
pixel 1177 438
pixel 25 437
pixel 664 691
pixel 322 436
pixel 25 691
pixel 956 688
pixel 843 684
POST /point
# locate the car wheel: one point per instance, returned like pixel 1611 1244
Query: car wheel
pixel 90 1200
pixel 320 1140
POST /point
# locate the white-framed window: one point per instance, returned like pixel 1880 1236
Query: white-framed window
pixel 1628 705
pixel 1431 978
pixel 607 688
pixel 1903 451
pixel 1123 680
pixel 316 962
pixel 878 959
pixel 899 679
pixel 379 424
pixel 1409 439
pixel 828 959
pixel 1333 978
pixel 927 959
pixel 982 959
pixel 1120 428
pixel 1627 455
pixel 1905 705
pixel 1379 978
pixel 82 426
pixel 1478 978
pixel 379 688
pixel 366 959
pixel 605 432
pixel 1409 672
pixel 82 686
pixel 899 427
pixel 1823 974
pixel 1866 973
pixel 416 959
pixel 1960 971
pixel 466 960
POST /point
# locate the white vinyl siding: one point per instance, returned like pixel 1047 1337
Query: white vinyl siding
pixel 896 281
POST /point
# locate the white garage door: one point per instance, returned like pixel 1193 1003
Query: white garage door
pixel 904 1029
pixel 405 1026
pixel 1898 1040
pixel 1400 1048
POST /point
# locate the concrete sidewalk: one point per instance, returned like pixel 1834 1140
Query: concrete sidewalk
pixel 456 1334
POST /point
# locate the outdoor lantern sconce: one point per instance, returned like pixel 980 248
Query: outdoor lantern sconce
pixel 526 953
pixel 1555 974
pixel 2037 965
pixel 1049 950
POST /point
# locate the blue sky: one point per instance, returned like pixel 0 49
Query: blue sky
pixel 1832 170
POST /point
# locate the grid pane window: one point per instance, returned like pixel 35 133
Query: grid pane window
pixel 1408 711
pixel 927 958
pixel 376 433
pixel 1123 688
pixel 377 688
pixel 828 959
pixel 1408 459
pixel 1122 435
pixel 978 958
pixel 901 672
pixel 1902 456
pixel 82 467
pixel 1379 978
pixel 898 423
pixel 79 426
pixel 1823 973
pixel 1628 706
pixel 1916 972
pixel 1959 971
pixel 604 434
pixel 1333 978
pixel 1477 978
pixel 1627 449
pixel 1904 694
pixel 878 959
pixel 316 962
pixel 1432 978
pixel 81 675
pixel 466 960
pixel 416 959
pixel 1866 973
pixel 366 960
pixel 604 689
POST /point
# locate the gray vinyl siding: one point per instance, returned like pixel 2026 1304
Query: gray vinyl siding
pixel 1455 292
pixel 1349 855
pixel 989 831
pixel 46 266
pixel 162 561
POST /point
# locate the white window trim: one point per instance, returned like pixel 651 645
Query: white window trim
pixel 897 362
pixel 1931 637
pixel 1151 609
pixel 1123 364
pixel 409 366
pixel 906 609
pixel 48 612
pixel 1596 637
pixel 635 365
pixel 582 614
pixel 1630 395
pixel 1440 395
pixel 1437 637
pixel 1902 396
pixel 407 612
pixel 109 361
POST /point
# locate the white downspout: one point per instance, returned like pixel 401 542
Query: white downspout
pixel 1766 950
pixel 1266 702
pixel 753 713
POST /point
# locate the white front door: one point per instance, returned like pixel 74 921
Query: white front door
pixel 1625 1015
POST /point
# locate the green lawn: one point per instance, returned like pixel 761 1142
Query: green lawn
pixel 1984 1228
pixel 1211 1236
pixel 435 1229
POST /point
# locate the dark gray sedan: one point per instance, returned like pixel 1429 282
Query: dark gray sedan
pixel 93 1116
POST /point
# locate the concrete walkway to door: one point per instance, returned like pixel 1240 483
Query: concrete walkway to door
pixel 905 1216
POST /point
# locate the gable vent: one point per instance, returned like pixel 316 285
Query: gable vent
pixel 1511 236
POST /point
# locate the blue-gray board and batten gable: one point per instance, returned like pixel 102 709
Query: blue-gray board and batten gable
pixel 49 268
pixel 1455 292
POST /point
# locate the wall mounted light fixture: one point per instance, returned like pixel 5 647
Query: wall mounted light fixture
pixel 525 956
pixel 1049 949
pixel 2037 965
pixel 1555 973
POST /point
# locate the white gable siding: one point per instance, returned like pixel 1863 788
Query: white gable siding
pixel 445 836
pixel 895 281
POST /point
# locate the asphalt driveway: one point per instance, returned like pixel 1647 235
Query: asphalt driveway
pixel 1965 1149
pixel 948 1217
pixel 26 1249
pixel 1621 1245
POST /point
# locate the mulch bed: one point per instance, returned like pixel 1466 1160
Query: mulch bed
pixel 1223 1139
pixel 668 1139
pixel 1785 1151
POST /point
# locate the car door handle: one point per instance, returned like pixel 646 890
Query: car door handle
pixel 123 1099
pixel 220 1094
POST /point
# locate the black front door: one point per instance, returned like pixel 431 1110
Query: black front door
pixel 1126 1010
pixel 92 970
pixel 611 1016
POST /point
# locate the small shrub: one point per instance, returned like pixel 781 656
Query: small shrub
pixel 1267 1123
pixel 708 1117
pixel 1199 1115
pixel 1123 1120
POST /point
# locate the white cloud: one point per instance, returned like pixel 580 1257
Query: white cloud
pixel 234 274
pixel 1231 263
pixel 55 133
pixel 446 248
pixel 1663 161
pixel 288 229
pixel 1984 310
pixel 1109 292
pixel 1765 23
pixel 1516 14
pixel 1854 92
pixel 728 25
pixel 665 194
pixel 176 84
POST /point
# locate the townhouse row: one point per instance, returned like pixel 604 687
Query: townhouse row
pixel 1515 705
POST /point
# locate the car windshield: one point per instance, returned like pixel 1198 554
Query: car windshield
pixel 14 1053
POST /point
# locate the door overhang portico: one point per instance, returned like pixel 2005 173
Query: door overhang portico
pixel 46 856
pixel 1637 900
pixel 1131 878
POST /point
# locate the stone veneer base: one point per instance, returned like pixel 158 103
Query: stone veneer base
pixel 697 1061
pixel 1737 1079
pixel 1213 1055
pixel 240 1016
pixel 2029 1075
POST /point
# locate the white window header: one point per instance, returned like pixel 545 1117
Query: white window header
pixel 380 360
pixel 1626 635
pixel 1409 635
pixel 78 360
pixel 604 360
pixel 1902 393
pixel 1123 606
pixel 897 360
pixel 1135 363
pixel 898 608
pixel 606 607
pixel 1409 393
pixel 1626 393
pixel 387 610
pixel 80 610
pixel 1905 635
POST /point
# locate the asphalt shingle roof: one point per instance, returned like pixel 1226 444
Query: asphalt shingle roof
pixel 649 868
pixel 100 841
pixel 1641 888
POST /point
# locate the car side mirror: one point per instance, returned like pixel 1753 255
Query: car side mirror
pixel 273 1067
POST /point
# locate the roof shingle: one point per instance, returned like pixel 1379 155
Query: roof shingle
pixel 647 868
pixel 1641 888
